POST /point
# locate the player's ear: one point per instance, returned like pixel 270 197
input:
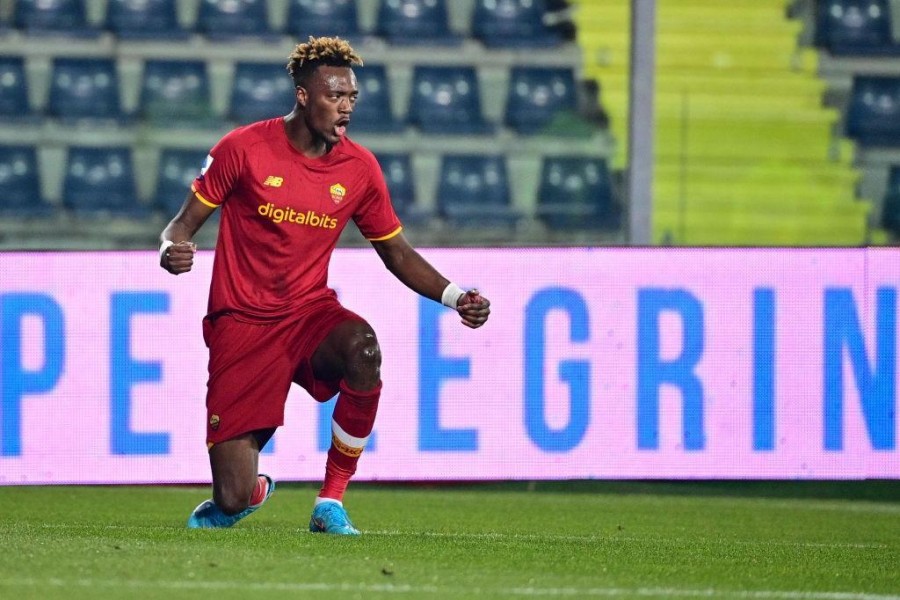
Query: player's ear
pixel 301 95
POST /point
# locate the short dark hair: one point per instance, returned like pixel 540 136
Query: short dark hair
pixel 317 52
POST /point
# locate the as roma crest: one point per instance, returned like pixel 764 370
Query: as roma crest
pixel 337 192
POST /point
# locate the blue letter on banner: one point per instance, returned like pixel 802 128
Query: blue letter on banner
pixel 877 391
pixel 764 369
pixel 652 371
pixel 15 380
pixel 434 369
pixel 577 373
pixel 125 372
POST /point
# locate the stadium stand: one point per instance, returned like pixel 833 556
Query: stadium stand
pixel 447 100
pixel 144 20
pixel 84 88
pixel 512 24
pixel 20 187
pixel 416 22
pixel 576 193
pixel 400 177
pixel 100 182
pixel 259 91
pixel 890 218
pixel 323 17
pixel 53 18
pixel 474 192
pixel 745 150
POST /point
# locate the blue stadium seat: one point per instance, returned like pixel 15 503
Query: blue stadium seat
pixel 177 169
pixel 84 88
pixel 873 115
pixel 848 27
pixel 260 91
pixel 20 184
pixel 221 20
pixel 53 17
pixel 414 22
pixel 890 211
pixel 372 112
pixel 401 181
pixel 322 17
pixel 14 105
pixel 446 100
pixel 100 181
pixel 176 93
pixel 512 23
pixel 536 95
pixel 575 192
pixel 144 20
pixel 473 191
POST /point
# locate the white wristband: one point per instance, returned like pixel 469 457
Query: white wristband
pixel 165 246
pixel 451 295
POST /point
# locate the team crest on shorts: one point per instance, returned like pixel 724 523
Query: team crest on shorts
pixel 214 422
pixel 337 192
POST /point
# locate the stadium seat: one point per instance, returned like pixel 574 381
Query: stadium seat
pixel 512 23
pixel 260 91
pixel 144 20
pixel 400 178
pixel 873 115
pixel 14 105
pixel 372 112
pixel 176 93
pixel 414 22
pixel 473 191
pixel 446 100
pixel 84 88
pixel 322 17
pixel 53 17
pixel 100 181
pixel 536 95
pixel 847 27
pixel 20 184
pixel 222 20
pixel 890 212
pixel 177 169
pixel 575 193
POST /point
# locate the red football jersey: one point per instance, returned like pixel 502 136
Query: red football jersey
pixel 282 214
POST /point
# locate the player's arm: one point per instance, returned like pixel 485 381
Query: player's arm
pixel 176 253
pixel 417 274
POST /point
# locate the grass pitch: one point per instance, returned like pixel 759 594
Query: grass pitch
pixel 758 540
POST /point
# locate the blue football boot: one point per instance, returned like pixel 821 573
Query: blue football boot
pixel 330 517
pixel 208 516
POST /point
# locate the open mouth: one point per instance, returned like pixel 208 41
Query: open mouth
pixel 340 129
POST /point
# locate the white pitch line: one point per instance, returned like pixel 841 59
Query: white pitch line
pixel 604 592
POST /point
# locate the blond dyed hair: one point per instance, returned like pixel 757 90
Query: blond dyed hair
pixel 317 52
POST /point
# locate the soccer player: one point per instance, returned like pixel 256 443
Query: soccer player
pixel 287 188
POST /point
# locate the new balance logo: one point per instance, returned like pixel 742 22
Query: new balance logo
pixel 273 181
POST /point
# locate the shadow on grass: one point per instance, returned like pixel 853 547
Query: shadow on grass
pixel 866 490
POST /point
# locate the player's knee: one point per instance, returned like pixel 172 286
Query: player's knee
pixel 364 355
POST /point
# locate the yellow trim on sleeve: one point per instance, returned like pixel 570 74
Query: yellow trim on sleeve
pixel 202 199
pixel 388 236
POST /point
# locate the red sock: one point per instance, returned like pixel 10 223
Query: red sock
pixel 354 416
pixel 259 492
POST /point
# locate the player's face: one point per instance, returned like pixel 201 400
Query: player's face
pixel 330 97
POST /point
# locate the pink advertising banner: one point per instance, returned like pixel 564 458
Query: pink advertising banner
pixel 596 363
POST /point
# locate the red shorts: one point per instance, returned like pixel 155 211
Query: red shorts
pixel 252 365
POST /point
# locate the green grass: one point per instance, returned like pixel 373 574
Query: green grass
pixel 768 540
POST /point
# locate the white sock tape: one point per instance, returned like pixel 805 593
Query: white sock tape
pixel 451 295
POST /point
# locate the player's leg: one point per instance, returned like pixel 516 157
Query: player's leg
pixel 238 489
pixel 351 354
